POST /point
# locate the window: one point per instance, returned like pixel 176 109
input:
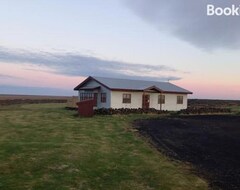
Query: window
pixel 179 99
pixel 86 96
pixel 161 99
pixel 103 97
pixel 126 98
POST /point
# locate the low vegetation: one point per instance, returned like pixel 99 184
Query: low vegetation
pixel 235 109
pixel 206 103
pixel 44 146
pixel 125 111
pixel 30 99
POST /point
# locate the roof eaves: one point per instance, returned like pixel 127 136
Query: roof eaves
pixel 139 90
pixel 126 89
pixel 88 79
pixel 101 83
pixel 82 83
pixel 177 92
pixel 153 87
pixel 89 88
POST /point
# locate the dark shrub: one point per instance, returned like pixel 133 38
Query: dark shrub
pixel 125 111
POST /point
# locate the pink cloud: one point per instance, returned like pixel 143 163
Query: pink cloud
pixel 37 77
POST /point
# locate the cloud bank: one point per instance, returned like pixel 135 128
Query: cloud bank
pixel 74 64
pixel 8 77
pixel 188 21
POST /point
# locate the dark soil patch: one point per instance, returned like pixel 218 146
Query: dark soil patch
pixel 211 143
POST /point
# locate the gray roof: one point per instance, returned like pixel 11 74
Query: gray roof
pixel 129 84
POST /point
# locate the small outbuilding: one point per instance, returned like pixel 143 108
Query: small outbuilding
pixel 126 93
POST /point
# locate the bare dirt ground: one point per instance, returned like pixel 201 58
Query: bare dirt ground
pixel 211 143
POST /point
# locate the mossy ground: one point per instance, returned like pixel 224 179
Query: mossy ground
pixel 44 146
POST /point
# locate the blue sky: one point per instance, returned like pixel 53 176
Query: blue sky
pixel 55 44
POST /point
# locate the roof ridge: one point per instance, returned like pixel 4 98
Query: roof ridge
pixel 130 79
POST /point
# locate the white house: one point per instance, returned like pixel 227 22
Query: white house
pixel 125 93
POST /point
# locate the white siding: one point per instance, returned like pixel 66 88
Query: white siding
pixel 170 102
pixel 136 101
pixel 117 96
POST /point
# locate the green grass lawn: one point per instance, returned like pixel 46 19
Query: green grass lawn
pixel 43 146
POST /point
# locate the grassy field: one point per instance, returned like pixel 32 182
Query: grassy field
pixel 6 99
pixel 235 109
pixel 44 146
pixel 32 97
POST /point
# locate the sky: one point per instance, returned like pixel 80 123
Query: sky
pixel 49 47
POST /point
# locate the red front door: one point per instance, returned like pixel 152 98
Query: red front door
pixel 145 101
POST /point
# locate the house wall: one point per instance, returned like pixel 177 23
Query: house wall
pixel 136 101
pixel 103 89
pixel 170 102
pixel 116 99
